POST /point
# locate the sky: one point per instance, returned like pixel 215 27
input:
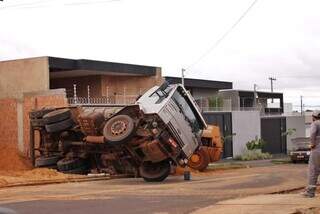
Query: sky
pixel 277 38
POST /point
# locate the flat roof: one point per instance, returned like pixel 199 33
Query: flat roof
pixel 64 67
pixel 200 83
pixel 249 91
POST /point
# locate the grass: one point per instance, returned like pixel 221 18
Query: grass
pixel 249 155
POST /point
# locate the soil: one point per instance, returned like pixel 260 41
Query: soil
pixel 14 168
pixel 12 160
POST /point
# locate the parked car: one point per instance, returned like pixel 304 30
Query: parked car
pixel 301 150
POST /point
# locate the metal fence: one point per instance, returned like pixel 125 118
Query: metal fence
pixel 218 104
pixel 117 99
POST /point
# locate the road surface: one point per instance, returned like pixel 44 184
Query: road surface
pixel 134 196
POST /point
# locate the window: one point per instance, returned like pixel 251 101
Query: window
pixel 183 103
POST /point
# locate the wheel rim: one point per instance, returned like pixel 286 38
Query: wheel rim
pixel 195 158
pixel 118 128
pixel 199 160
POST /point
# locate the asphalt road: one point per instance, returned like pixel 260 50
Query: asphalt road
pixel 133 196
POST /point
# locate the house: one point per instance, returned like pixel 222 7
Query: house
pixel 266 102
pixel 82 77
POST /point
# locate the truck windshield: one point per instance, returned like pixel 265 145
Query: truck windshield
pixel 184 104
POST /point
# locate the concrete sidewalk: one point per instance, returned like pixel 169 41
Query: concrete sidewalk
pixel 266 204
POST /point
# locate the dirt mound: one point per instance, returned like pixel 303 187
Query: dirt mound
pixel 39 175
pixel 11 159
pixel 44 174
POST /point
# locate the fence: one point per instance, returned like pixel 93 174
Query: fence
pixel 218 104
pixel 116 99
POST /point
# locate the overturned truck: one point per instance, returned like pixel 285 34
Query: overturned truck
pixel 163 129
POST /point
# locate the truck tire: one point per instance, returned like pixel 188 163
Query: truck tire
pixel 57 116
pixel 199 160
pixel 155 172
pixel 60 126
pixel 36 114
pixel 118 129
pixel 80 170
pixel 69 164
pixel 46 161
pixel 37 122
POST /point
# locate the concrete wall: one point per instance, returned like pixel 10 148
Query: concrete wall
pixel 23 75
pixel 246 125
pixel 298 123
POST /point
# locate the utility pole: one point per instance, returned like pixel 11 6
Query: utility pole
pixel 272 79
pixel 182 76
pixel 301 105
pixel 255 95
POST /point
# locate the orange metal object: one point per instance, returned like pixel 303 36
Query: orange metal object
pixel 95 139
pixel 215 147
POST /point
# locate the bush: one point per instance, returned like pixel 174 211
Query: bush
pixel 257 143
pixel 253 155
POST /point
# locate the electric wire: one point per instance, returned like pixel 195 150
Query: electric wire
pixel 43 3
pixel 229 30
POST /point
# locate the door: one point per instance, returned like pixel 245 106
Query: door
pixel 272 130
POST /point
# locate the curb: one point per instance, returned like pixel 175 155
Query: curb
pixel 60 181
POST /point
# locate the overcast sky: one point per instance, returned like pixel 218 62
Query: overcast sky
pixel 278 38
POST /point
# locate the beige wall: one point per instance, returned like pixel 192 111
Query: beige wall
pixel 130 85
pixel 82 85
pixel 23 75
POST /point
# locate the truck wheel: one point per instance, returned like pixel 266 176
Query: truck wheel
pixel 69 164
pixel 46 161
pixel 37 122
pixel 40 113
pixel 199 160
pixel 60 126
pixel 155 172
pixel 118 129
pixel 57 116
pixel 80 170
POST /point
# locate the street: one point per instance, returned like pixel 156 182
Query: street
pixel 134 196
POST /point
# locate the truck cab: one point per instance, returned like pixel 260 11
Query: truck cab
pixel 179 112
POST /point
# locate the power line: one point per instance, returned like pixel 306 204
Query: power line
pixel 34 3
pixel 42 3
pixel 215 45
pixel 89 2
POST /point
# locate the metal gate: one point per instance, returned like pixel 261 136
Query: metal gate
pixel 224 121
pixel 272 129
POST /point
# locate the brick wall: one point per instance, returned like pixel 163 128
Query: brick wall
pixel 8 122
pixel 55 99
pixel 14 116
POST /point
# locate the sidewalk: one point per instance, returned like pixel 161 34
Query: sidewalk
pixel 231 163
pixel 266 204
